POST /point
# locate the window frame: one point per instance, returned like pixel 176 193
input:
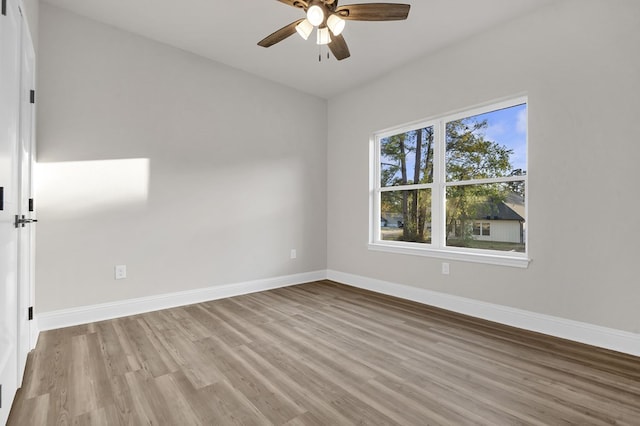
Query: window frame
pixel 438 248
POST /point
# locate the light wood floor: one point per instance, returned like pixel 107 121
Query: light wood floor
pixel 320 354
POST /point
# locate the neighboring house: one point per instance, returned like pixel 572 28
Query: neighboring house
pixel 392 220
pixel 500 222
pixel 505 223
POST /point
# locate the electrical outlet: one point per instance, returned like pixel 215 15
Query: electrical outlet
pixel 120 272
pixel 294 254
pixel 445 268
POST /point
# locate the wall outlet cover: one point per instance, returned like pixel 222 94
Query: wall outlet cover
pixel 120 272
pixel 445 268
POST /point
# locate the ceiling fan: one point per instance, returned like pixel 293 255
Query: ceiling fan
pixel 329 19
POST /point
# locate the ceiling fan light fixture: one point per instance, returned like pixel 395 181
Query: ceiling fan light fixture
pixel 323 36
pixel 304 28
pixel 315 15
pixel 328 19
pixel 335 24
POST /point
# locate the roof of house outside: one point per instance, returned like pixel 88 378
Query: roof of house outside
pixel 512 208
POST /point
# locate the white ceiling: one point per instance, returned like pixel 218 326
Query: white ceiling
pixel 227 31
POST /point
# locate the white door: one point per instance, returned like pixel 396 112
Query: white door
pixel 10 24
pixel 25 207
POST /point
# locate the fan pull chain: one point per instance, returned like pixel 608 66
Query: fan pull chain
pixel 320 53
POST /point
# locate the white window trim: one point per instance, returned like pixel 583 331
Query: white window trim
pixel 437 249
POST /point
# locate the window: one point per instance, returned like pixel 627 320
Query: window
pixel 482 229
pixel 454 186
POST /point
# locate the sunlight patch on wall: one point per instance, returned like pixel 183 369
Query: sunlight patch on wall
pixel 80 187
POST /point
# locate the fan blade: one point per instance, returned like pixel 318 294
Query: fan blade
pixel 339 47
pixel 279 35
pixel 296 3
pixel 374 11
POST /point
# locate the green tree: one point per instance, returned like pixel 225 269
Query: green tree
pixel 470 156
pixel 407 159
pixel 413 149
pixel 517 187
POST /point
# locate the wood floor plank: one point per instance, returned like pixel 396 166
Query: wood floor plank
pixel 104 416
pixel 177 402
pixel 126 348
pixel 115 355
pixel 553 393
pixel 227 406
pixel 148 402
pixel 272 402
pixel 294 383
pixel 320 353
pixel 144 350
pixel 232 330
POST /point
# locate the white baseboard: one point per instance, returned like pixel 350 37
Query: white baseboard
pixel 594 335
pixel 590 334
pixel 105 311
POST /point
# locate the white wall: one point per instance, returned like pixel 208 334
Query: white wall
pixel 578 62
pixel 191 173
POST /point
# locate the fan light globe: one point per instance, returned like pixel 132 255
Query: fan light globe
pixel 323 36
pixel 304 28
pixel 335 24
pixel 315 15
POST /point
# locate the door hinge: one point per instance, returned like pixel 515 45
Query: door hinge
pixel 4 7
pixel 1 197
pixel 30 313
pixel 32 96
pixel 30 204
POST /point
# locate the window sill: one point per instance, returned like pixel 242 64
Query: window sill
pixel 516 260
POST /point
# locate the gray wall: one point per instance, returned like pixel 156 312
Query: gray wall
pixel 578 62
pixel 191 173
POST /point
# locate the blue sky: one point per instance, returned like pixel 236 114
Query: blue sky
pixel 508 127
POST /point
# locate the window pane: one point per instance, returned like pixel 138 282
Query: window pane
pixel 488 145
pixel 406 216
pixel 398 154
pixel 489 216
